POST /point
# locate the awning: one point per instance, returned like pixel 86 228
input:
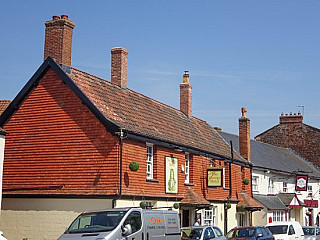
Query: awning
pixel 193 199
pixel 249 203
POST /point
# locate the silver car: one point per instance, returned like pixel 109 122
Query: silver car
pixel 311 233
pixel 201 233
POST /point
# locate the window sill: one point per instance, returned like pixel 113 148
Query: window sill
pixel 152 180
pixel 189 184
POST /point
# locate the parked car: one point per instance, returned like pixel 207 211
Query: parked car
pixel 252 233
pixel 311 233
pixel 201 233
pixel 290 230
pixel 1 236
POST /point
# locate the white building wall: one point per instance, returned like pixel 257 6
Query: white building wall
pixel 297 214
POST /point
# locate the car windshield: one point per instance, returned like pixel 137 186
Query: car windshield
pixel 279 229
pixel 241 232
pixel 308 231
pixel 195 233
pixel 96 222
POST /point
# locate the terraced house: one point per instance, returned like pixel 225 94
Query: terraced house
pixel 78 142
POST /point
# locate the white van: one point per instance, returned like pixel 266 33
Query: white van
pixel 125 223
pixel 291 230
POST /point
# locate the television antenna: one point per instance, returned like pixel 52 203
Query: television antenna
pixel 302 106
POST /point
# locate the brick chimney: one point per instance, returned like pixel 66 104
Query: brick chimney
pixel 119 62
pixel 186 95
pixel 58 39
pixel 291 118
pixel 244 134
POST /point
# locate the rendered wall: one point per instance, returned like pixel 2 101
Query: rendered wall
pixel 43 219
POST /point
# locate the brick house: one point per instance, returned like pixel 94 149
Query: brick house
pixel 274 174
pixel 292 133
pixel 72 138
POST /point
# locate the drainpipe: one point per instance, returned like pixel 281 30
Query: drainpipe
pixel 121 137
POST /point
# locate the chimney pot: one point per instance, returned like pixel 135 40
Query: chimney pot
pixel 64 16
pixel 244 112
pixel 55 17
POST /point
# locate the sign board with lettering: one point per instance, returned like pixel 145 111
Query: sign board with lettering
pixel 214 177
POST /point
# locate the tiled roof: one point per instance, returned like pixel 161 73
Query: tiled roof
pixel 194 199
pixel 277 158
pixel 248 202
pixel 147 117
pixel 3 105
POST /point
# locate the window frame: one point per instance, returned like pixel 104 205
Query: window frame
pixel 209 217
pixel 271 186
pixel 255 183
pixel 187 168
pixel 149 161
pixel 285 187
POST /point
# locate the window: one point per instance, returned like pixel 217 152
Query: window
pixel 187 168
pixel 285 187
pixel 271 186
pixel 278 216
pixel 134 219
pixel 310 193
pixel 255 180
pixel 209 218
pixel 149 161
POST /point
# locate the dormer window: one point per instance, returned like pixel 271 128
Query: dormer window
pixel 149 161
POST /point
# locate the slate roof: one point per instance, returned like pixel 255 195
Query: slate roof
pixel 147 117
pixel 272 202
pixel 3 105
pixel 267 156
pixel 287 197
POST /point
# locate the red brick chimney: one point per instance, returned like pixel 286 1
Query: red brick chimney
pixel 186 95
pixel 289 118
pixel 58 40
pixel 244 134
pixel 119 62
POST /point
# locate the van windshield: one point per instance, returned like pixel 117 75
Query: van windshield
pixel 96 222
pixel 279 229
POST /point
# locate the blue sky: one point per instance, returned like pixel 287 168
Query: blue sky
pixel 264 54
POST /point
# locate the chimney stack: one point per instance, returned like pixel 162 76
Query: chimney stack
pixel 244 134
pixel 186 95
pixel 119 62
pixel 58 39
pixel 289 118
